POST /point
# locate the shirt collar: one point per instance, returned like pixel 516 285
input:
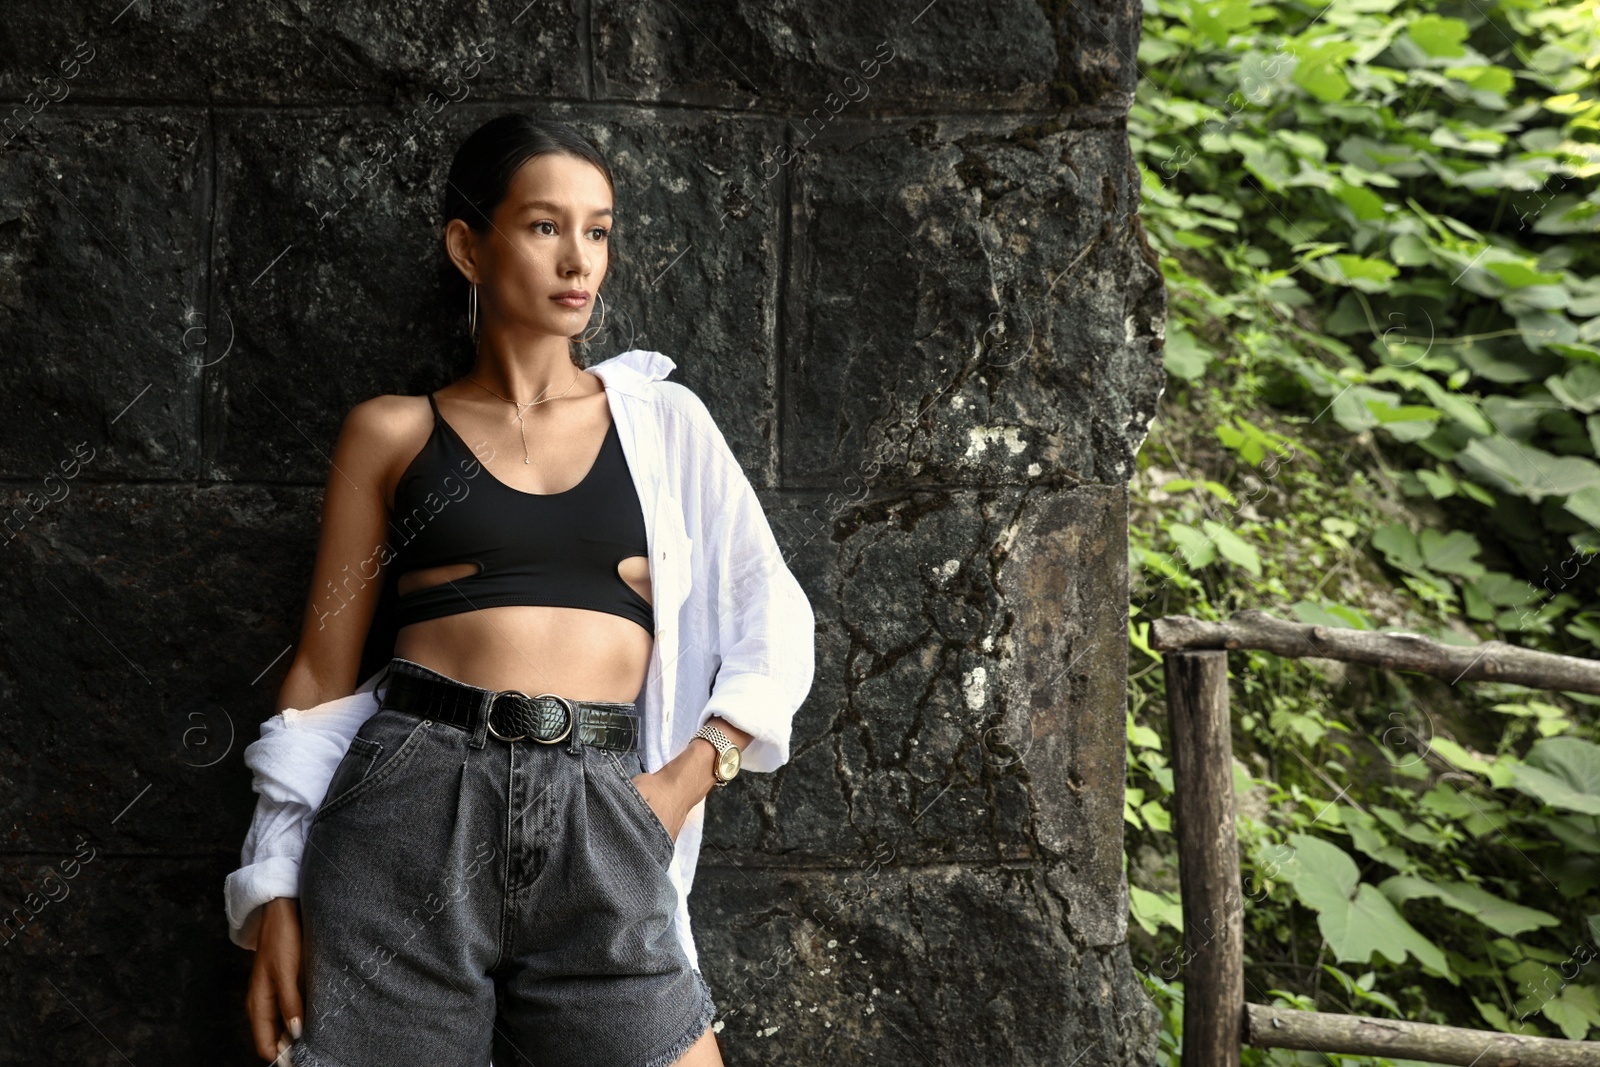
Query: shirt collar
pixel 633 371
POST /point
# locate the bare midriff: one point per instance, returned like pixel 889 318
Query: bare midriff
pixel 573 652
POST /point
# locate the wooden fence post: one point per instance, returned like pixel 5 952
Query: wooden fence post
pixel 1208 858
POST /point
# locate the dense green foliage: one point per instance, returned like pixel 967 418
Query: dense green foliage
pixel 1380 230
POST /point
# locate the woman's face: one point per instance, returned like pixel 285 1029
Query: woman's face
pixel 549 237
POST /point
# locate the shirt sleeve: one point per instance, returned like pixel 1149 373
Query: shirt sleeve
pixel 292 764
pixel 763 623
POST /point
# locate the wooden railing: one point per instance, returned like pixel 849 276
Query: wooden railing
pixel 1216 1020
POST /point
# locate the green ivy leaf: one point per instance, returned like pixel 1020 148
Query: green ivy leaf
pixel 1574 1011
pixel 1154 910
pixel 1367 838
pixel 1525 470
pixel 1451 553
pixel 1354 916
pixel 1399 548
pixel 1331 614
pixel 1359 272
pixel 1499 915
pixel 1156 816
pixel 1505 361
pixel 1495 80
pixel 1578 388
pixel 1320 68
pixel 1142 736
pixel 1439 483
pixel 1216 19
pixel 1438 36
pixel 1585 504
pixel 1234 549
pixel 1563 772
pixel 1505 590
pixel 1195 549
pixel 1498 1019
pixel 1457 756
pixel 1410 422
pixel 1182 354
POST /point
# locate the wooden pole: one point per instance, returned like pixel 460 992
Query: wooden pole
pixel 1208 858
pixel 1355 1035
pixel 1491 661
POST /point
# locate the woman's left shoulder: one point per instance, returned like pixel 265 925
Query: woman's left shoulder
pixel 682 400
pixel 686 412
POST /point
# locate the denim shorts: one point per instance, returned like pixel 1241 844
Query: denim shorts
pixel 466 900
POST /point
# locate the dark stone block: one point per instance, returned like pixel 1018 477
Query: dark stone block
pixel 104 225
pixel 146 630
pixel 1064 679
pixel 966 702
pixel 951 317
pixel 892 959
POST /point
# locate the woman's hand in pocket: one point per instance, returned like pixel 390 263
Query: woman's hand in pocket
pixel 670 803
pixel 275 1003
pixel 677 787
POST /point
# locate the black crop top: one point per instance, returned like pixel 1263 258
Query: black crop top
pixel 532 548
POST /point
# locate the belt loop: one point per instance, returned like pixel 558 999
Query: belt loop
pixel 380 688
pixel 574 740
pixel 480 721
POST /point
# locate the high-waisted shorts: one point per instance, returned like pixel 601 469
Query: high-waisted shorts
pixel 466 900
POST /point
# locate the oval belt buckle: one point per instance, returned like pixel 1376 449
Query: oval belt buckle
pixel 494 703
pixel 571 713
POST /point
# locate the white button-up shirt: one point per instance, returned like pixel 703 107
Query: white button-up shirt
pixel 731 622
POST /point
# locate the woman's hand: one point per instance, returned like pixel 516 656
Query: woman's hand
pixel 275 998
pixel 667 797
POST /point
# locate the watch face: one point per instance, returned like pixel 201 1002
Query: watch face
pixel 728 762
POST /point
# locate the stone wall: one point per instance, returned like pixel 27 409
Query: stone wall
pixel 896 249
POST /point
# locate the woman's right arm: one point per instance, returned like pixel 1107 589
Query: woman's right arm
pixel 345 584
pixel 348 574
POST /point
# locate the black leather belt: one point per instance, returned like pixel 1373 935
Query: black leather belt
pixel 514 716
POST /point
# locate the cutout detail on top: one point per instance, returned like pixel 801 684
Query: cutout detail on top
pixel 428 577
pixel 636 575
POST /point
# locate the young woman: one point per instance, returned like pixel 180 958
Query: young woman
pixel 485 850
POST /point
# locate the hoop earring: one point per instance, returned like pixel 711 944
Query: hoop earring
pixel 597 326
pixel 472 311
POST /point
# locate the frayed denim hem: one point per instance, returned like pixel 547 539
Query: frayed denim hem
pixel 702 1019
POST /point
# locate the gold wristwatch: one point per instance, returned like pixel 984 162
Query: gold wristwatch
pixel 727 765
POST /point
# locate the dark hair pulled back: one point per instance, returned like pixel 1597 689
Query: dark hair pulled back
pixel 483 167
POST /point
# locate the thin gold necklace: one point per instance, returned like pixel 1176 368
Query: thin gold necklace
pixel 522 426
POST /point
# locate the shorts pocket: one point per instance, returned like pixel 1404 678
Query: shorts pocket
pixel 353 768
pixel 655 826
pixel 364 767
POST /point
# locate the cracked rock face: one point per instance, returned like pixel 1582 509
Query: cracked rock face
pixel 898 257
